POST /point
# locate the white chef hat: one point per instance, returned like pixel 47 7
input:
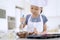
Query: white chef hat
pixel 39 3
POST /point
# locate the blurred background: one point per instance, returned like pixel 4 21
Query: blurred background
pixel 12 10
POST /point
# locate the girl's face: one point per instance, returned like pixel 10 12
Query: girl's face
pixel 35 10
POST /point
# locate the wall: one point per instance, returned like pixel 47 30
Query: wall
pixel 52 13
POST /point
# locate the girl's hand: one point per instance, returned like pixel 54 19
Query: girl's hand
pixel 39 33
pixel 35 31
pixel 43 33
pixel 22 19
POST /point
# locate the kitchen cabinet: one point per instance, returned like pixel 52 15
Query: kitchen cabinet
pixel 9 7
pixel 3 19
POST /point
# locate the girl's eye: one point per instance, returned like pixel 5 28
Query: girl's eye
pixel 31 8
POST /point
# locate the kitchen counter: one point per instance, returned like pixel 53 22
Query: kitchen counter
pixel 34 37
pixel 12 36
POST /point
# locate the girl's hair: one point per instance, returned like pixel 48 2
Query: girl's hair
pixel 41 11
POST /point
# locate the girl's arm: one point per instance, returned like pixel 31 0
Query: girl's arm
pixel 22 26
pixel 22 20
pixel 44 28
